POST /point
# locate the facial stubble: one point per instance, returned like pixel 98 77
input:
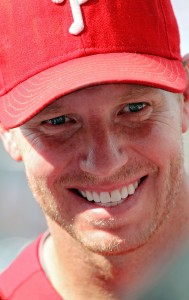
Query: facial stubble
pixel 47 199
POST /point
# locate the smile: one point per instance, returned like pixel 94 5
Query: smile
pixel 108 198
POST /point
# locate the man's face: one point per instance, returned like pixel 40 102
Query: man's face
pixel 105 163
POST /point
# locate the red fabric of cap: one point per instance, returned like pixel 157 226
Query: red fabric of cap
pixel 122 41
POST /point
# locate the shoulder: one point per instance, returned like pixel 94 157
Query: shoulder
pixel 25 278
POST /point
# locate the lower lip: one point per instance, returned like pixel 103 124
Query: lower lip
pixel 108 211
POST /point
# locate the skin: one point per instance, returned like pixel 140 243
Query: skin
pixel 103 145
pixel 97 126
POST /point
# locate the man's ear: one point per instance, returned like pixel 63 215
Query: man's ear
pixel 185 121
pixel 9 143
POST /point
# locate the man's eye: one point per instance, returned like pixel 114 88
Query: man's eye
pixel 134 107
pixel 57 121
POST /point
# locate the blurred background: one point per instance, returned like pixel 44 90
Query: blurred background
pixel 21 219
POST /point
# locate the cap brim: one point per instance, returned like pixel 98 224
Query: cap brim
pixel 31 96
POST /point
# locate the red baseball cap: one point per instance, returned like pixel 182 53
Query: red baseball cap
pixel 49 49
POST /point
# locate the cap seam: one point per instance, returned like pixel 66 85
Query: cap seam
pixel 164 19
pixel 81 37
pixel 78 36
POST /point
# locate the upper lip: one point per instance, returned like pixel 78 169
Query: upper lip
pixel 106 187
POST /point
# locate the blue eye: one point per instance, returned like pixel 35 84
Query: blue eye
pixel 134 107
pixel 58 120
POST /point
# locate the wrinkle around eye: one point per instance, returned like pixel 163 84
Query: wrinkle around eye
pixel 130 118
pixel 32 142
pixel 34 138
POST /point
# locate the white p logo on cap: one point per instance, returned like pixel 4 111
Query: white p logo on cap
pixel 78 24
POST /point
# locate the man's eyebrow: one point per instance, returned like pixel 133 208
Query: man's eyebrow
pixel 52 108
pixel 138 92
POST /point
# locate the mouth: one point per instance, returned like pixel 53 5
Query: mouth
pixel 109 198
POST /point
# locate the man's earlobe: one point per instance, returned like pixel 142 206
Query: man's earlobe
pixel 186 66
pixel 10 144
pixel 185 121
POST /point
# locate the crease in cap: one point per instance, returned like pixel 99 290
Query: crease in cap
pixel 71 44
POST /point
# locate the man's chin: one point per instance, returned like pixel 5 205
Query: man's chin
pixel 109 245
pixel 115 241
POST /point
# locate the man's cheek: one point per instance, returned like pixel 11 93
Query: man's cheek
pixel 38 167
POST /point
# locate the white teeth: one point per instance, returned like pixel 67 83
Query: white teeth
pixel 89 196
pixel 124 192
pixel 111 198
pixel 104 197
pixel 109 204
pixel 83 194
pixel 115 196
pixel 96 197
pixel 131 189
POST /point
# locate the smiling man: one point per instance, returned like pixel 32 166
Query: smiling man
pixel 94 101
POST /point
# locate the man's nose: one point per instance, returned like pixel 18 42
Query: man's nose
pixel 104 155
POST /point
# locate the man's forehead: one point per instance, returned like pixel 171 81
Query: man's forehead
pixel 126 91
